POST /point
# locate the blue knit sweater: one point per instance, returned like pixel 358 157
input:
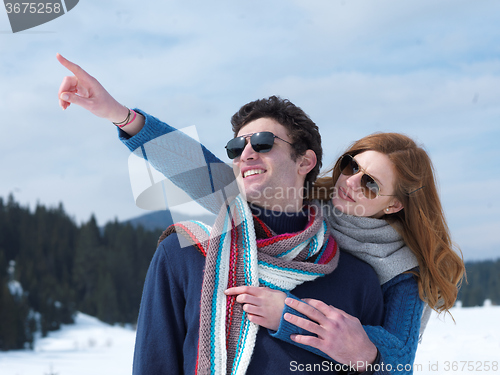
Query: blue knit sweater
pixel 200 173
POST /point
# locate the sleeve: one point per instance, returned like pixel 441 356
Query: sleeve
pixel 396 340
pixel 286 329
pixel 160 327
pixel 184 161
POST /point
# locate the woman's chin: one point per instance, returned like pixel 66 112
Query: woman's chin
pixel 340 208
pixel 338 204
pixel 348 208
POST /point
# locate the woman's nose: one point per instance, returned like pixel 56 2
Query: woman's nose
pixel 354 181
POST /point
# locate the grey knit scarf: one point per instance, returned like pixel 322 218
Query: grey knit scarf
pixel 373 240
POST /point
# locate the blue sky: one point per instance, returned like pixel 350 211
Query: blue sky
pixel 428 69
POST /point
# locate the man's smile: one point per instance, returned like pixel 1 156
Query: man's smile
pixel 252 172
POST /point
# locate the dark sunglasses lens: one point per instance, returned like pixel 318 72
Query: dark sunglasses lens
pixel 348 165
pixel 369 186
pixel 262 141
pixel 235 147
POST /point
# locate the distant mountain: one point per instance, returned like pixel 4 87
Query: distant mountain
pixel 160 220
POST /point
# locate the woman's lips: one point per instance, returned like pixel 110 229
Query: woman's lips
pixel 343 194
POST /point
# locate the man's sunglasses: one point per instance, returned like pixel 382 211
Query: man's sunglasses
pixel 261 142
pixel 369 187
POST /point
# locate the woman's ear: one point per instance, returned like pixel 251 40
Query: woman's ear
pixel 394 207
pixel 307 162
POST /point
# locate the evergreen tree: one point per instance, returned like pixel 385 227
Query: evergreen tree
pixel 16 329
pixel 107 300
pixel 483 282
pixel 88 256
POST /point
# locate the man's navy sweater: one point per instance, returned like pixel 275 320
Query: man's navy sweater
pixel 168 324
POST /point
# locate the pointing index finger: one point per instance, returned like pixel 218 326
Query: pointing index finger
pixel 75 69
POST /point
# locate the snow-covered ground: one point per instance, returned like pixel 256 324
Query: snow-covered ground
pixel 471 345
pixel 90 347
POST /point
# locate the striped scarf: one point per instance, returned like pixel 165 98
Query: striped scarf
pixel 241 250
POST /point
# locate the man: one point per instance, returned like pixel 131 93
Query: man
pixel 173 336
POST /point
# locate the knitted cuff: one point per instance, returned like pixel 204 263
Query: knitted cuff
pixel 152 129
pixel 286 329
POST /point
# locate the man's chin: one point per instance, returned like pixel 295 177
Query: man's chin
pixel 253 196
pixel 251 191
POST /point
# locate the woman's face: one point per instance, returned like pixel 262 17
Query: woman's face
pixel 349 197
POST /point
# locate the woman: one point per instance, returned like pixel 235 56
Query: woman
pixel 382 203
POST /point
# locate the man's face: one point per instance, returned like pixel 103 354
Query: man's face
pixel 271 180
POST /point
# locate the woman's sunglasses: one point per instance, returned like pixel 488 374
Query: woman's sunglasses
pixel 369 187
pixel 261 142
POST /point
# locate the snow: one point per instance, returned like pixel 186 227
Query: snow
pixel 15 288
pixel 87 347
pixel 469 344
pixel 92 347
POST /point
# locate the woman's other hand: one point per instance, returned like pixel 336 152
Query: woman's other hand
pixel 339 335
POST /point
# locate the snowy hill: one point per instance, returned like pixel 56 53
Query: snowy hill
pixel 92 347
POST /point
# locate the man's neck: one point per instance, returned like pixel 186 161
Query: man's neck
pixel 281 222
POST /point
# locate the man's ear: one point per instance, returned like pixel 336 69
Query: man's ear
pixel 307 162
pixel 395 206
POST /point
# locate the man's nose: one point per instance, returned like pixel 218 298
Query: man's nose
pixel 248 152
